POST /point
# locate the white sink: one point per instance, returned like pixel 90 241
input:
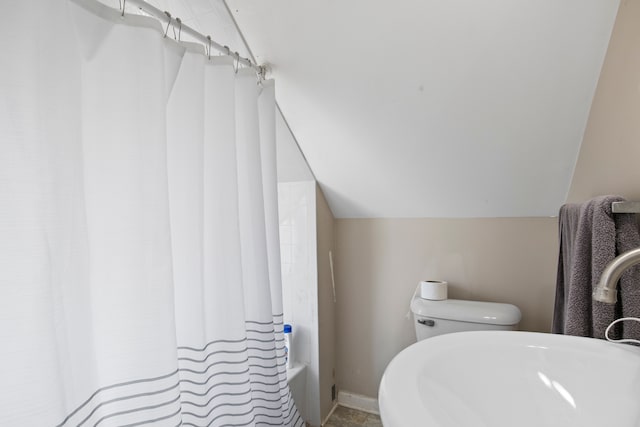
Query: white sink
pixel 509 379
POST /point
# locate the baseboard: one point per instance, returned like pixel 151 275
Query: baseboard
pixel 359 402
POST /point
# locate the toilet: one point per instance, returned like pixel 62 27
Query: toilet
pixel 409 390
pixel 432 318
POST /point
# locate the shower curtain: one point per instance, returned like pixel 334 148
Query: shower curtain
pixel 139 253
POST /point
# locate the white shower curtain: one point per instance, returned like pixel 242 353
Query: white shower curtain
pixel 139 263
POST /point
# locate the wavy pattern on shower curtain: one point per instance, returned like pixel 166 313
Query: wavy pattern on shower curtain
pixel 139 276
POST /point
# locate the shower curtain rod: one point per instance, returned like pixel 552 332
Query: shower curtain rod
pixel 206 40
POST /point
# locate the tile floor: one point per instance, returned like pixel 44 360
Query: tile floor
pixel 346 417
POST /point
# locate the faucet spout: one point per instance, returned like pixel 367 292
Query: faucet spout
pixel 606 291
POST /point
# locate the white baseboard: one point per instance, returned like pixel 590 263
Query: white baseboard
pixel 359 402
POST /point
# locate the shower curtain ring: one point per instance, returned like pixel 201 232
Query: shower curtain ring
pixel 237 62
pixel 179 21
pixel 209 48
pixel 168 23
pixel 260 74
pixel 124 3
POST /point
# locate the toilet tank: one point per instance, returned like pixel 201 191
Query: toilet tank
pixel 433 318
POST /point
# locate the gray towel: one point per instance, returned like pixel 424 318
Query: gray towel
pixel 601 236
pixel 567 230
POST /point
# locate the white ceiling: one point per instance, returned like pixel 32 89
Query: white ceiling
pixel 434 108
pixel 425 108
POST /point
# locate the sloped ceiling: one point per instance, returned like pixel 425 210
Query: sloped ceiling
pixel 424 108
pixel 434 108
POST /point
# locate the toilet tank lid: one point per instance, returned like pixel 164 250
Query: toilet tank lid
pixel 490 313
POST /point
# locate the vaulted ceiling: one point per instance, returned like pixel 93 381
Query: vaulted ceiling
pixel 429 108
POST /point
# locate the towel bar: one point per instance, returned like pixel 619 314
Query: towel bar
pixel 625 207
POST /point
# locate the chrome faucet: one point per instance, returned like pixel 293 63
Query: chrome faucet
pixel 606 291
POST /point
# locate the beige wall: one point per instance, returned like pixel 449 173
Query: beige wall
pixel 379 262
pixel 326 306
pixel 609 161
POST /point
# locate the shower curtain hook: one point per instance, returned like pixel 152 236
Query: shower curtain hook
pixel 168 23
pixel 179 21
pixel 237 62
pixel 124 4
pixel 260 74
pixel 209 48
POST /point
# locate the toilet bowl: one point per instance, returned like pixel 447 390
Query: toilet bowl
pixel 432 318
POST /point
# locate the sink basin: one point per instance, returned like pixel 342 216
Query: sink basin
pixel 507 379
